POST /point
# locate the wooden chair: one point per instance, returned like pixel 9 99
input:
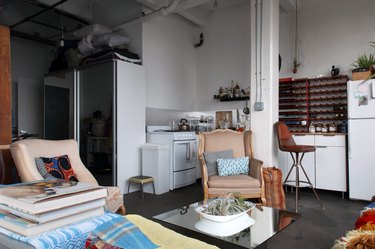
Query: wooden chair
pixel 25 151
pixel 248 186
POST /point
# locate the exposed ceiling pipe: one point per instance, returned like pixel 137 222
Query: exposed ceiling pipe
pixel 163 11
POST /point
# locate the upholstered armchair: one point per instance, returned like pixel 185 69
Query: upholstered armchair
pixel 248 186
pixel 25 151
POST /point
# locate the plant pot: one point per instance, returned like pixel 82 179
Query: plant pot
pixel 361 74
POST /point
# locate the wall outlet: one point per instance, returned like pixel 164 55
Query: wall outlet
pixel 259 106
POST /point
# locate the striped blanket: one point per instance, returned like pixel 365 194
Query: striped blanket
pixel 118 233
pixel 69 237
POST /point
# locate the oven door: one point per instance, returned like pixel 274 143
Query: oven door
pixel 184 155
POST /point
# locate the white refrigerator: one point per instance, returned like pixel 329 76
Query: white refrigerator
pixel 361 139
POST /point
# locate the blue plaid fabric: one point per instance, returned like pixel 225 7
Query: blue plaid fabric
pixel 69 237
pixel 122 233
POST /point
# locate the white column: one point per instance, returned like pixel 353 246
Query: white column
pixel 264 78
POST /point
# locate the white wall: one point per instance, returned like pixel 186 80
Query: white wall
pixel 29 59
pixel 224 56
pixel 170 62
pixel 330 33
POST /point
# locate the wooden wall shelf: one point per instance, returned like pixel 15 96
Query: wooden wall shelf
pixel 227 99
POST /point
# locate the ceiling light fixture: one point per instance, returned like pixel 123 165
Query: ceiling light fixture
pixel 62 43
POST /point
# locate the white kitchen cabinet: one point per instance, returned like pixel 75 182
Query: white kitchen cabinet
pixel 308 162
pixel 330 162
pixel 326 167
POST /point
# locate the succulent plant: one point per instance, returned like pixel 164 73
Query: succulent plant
pixel 224 206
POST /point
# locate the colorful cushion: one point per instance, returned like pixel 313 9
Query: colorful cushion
pixel 211 160
pixel 235 166
pixel 42 168
pixel 58 167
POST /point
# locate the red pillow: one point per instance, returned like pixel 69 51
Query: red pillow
pixel 60 167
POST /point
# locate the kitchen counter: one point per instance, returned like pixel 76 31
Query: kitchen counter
pixel 318 133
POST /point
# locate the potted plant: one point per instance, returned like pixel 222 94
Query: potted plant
pixel 362 67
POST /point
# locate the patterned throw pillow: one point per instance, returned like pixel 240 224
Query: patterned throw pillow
pixel 235 166
pixel 42 168
pixel 58 167
pixel 211 160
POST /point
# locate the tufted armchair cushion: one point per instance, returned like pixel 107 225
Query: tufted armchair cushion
pixel 248 186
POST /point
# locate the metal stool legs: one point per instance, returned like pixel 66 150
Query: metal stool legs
pixel 297 163
pixel 142 180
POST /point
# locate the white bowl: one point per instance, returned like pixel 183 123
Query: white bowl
pixel 217 218
pixel 229 228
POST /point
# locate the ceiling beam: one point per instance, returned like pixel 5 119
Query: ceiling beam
pixel 188 4
pixel 196 17
pixel 38 13
pixel 288 5
pixel 183 9
pixel 33 38
pixel 60 12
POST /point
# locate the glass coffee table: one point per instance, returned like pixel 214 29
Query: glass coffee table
pixel 252 231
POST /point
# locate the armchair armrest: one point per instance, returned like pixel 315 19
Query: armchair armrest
pixel 204 176
pixel 256 169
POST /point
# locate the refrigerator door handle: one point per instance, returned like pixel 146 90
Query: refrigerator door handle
pixel 349 145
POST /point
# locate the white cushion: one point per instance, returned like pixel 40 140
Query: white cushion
pixel 94 29
pixel 110 40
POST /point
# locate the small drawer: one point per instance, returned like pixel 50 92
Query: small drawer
pixel 335 140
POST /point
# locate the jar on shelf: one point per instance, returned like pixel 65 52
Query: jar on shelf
pixel 324 128
pixel 332 128
pixel 318 128
pixel 312 128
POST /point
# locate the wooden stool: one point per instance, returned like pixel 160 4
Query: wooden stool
pixel 142 180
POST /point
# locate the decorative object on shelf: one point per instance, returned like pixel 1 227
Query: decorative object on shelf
pixel 233 93
pixel 335 71
pixel 223 119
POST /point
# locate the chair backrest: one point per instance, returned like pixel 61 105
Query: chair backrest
pixel 283 135
pixel 218 140
pixel 25 151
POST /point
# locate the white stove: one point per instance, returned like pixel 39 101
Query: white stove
pixel 182 152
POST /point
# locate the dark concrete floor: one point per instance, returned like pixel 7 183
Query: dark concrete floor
pixel 316 229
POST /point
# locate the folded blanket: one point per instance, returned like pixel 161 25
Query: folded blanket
pixel 166 238
pixel 120 232
pixel 68 237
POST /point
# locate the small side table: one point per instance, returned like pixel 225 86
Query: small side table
pixel 141 180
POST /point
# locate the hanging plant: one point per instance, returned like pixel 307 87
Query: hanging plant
pixel 296 65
